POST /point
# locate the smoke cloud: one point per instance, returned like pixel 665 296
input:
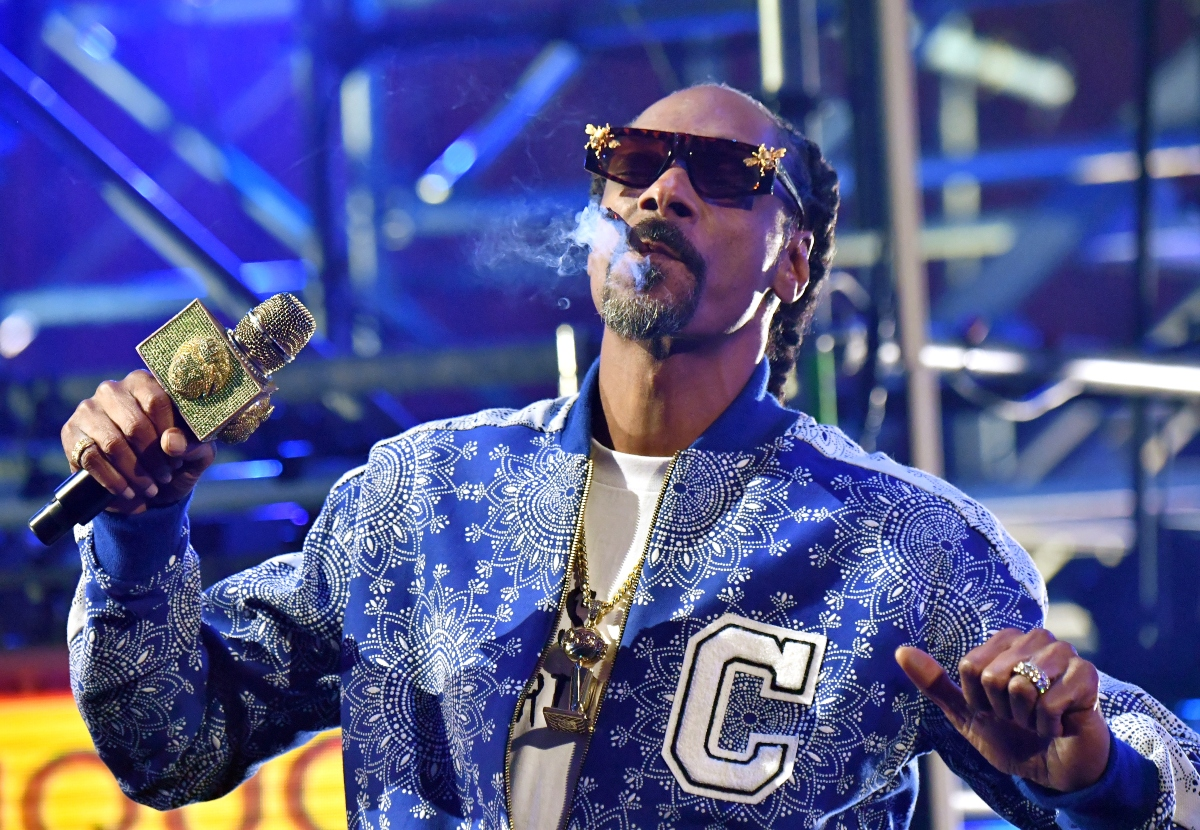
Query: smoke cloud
pixel 560 244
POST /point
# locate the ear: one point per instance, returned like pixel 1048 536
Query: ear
pixel 791 274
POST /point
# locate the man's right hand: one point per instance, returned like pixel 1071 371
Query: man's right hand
pixel 144 452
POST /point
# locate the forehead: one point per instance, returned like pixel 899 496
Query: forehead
pixel 709 111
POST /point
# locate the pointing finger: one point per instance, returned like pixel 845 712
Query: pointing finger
pixel 113 445
pixel 933 681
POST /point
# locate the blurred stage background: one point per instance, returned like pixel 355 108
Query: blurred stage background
pixel 362 153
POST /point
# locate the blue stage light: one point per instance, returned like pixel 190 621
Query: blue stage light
pixel 1189 710
pixel 482 143
pixel 295 449
pixel 459 156
pixel 236 470
pixel 269 278
pixel 281 511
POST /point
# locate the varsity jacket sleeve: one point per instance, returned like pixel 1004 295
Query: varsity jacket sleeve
pixel 1151 778
pixel 185 692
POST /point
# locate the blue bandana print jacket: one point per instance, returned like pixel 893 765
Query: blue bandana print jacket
pixel 754 685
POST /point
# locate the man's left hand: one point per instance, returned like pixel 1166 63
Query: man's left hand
pixel 1057 739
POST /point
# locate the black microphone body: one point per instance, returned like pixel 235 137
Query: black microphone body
pixel 219 382
pixel 77 500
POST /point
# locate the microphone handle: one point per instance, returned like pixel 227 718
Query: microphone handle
pixel 77 501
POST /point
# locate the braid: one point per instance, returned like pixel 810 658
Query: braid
pixel 819 189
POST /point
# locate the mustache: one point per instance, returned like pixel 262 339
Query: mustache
pixel 661 233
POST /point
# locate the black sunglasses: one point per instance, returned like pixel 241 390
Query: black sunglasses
pixel 718 168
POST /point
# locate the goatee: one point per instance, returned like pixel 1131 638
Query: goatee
pixel 636 316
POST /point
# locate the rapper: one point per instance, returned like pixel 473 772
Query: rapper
pixel 667 601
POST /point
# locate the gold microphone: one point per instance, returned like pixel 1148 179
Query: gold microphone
pixel 219 380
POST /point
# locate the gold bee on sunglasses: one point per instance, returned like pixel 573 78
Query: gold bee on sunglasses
pixel 600 138
pixel 766 159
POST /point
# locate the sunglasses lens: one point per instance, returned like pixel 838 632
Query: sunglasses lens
pixel 719 170
pixel 637 160
pixel 716 166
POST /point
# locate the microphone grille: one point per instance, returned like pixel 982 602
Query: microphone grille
pixel 275 331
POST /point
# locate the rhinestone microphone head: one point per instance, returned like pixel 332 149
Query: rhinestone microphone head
pixel 275 331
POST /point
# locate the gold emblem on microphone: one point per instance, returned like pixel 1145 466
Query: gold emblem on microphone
pixel 250 419
pixel 201 367
pixel 168 351
pixel 219 380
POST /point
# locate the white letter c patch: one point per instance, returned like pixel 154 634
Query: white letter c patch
pixel 787 663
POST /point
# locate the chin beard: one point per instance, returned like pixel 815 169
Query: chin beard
pixel 634 316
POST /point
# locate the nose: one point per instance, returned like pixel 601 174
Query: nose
pixel 671 195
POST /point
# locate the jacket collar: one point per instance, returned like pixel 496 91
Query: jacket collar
pixel 753 418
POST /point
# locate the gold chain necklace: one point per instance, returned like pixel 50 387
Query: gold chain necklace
pixel 583 645
pixel 598 610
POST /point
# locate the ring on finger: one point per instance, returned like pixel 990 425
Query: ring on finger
pixel 81 446
pixel 1034 675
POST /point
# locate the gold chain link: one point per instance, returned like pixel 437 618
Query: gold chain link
pixel 600 609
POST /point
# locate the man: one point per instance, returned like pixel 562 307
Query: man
pixel 668 602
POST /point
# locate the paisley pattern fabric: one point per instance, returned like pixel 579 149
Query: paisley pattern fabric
pixel 415 615
pixel 1151 729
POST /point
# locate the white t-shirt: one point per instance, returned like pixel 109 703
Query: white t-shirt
pixel 616 526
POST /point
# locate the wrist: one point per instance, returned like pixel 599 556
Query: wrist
pixel 132 547
pixel 1124 795
pixel 119 509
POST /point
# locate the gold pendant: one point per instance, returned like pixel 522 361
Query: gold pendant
pixel 583 646
pixel 564 720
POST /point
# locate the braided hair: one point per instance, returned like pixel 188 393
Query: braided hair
pixel 817 182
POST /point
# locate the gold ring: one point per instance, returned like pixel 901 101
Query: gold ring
pixel 81 446
pixel 1034 675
